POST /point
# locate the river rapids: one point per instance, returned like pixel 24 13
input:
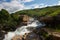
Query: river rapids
pixel 32 23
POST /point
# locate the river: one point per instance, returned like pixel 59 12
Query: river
pixel 32 23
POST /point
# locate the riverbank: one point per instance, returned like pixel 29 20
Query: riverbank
pixel 53 34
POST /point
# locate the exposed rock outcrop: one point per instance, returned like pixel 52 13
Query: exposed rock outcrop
pixel 25 19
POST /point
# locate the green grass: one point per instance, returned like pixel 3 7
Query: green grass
pixel 48 11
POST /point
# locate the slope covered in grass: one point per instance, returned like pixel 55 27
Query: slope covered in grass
pixel 48 11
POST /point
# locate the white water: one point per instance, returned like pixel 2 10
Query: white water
pixel 22 30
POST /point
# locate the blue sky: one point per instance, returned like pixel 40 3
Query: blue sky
pixel 16 5
pixel 48 2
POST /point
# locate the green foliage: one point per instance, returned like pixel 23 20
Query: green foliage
pixel 14 19
pixel 48 11
pixel 4 15
pixel 8 20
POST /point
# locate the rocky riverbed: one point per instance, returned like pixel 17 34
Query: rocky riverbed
pixel 37 34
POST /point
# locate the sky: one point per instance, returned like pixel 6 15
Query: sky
pixel 16 5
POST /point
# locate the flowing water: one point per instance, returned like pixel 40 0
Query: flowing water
pixel 32 23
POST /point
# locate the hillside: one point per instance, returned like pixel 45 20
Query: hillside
pixel 47 11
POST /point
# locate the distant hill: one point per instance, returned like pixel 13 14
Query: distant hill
pixel 47 11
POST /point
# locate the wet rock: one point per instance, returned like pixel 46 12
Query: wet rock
pixel 25 18
pixel 27 36
pixel 32 36
pixel 17 37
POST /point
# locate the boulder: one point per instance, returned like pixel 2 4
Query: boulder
pixel 46 19
pixel 25 18
pixel 32 36
pixel 17 37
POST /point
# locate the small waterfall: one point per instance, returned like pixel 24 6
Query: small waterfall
pixel 32 23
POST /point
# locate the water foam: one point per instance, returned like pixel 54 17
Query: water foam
pixel 22 30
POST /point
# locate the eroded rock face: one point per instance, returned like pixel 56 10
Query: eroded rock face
pixel 24 19
pixel 46 19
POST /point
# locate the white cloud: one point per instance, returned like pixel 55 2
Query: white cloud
pixel 23 0
pixel 0 8
pixel 14 5
pixel 27 0
pixel 58 3
pixel 39 5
